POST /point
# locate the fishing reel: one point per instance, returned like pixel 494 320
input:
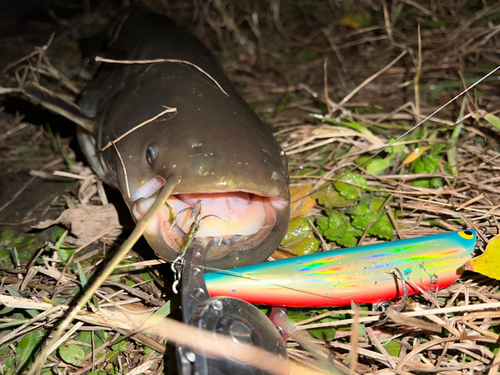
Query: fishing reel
pixel 242 322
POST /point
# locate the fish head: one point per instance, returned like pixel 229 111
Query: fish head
pixel 221 153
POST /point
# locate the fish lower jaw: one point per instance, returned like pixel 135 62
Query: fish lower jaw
pixel 233 219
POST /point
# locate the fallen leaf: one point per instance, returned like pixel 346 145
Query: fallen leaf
pixel 282 253
pixel 493 120
pixel 356 19
pixel 299 238
pixel 86 222
pixel 488 263
pixel 303 204
pixel 414 155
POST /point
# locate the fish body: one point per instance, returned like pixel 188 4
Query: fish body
pixel 361 274
pixel 143 123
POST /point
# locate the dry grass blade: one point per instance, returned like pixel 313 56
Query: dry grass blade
pixel 156 61
pixel 167 110
pixel 132 239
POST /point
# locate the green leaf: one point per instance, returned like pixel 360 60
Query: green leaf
pixel 61 240
pixel 366 212
pixel 428 164
pixel 5 258
pixel 164 310
pixel 362 221
pixel 5 349
pixel 112 356
pixel 120 346
pixel 344 228
pixel 4 311
pixel 493 120
pixel 306 246
pixel 103 335
pixel 86 338
pixel 327 333
pixel 56 233
pixel 349 191
pixel 393 348
pixel 72 354
pixel 9 366
pixel 146 276
pixel 307 54
pixel 297 315
pixel 25 350
pixel 337 228
pixel 342 236
pixel 7 236
pixel 298 229
pixel 81 275
pixel 329 197
pixel 321 333
pixel 397 149
pixel 364 207
pixel 377 166
pixel 382 229
pixel 65 254
pixel 362 330
pixel 14 323
pixel 20 249
pixel 15 256
pixel 299 237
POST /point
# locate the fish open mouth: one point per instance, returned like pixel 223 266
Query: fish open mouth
pixel 234 221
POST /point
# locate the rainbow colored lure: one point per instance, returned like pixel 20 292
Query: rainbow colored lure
pixel 337 277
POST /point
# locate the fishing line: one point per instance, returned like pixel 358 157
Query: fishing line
pixel 401 136
pixel 248 277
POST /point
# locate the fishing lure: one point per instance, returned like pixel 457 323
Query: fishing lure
pixel 337 277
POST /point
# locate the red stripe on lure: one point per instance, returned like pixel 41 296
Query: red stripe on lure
pixel 360 274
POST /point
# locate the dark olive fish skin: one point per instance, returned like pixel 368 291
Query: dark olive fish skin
pixel 213 143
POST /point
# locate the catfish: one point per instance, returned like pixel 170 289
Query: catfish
pixel 169 111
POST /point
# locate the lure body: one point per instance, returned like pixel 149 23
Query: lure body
pixel 361 274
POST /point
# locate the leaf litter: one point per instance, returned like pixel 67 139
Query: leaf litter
pixel 334 100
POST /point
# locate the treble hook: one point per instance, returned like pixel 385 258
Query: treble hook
pixel 384 305
pixel 174 222
pixel 188 239
pixel 195 211
pixel 405 290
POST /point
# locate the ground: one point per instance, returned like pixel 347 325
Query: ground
pixel 338 82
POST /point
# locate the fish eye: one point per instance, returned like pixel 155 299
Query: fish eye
pixel 151 155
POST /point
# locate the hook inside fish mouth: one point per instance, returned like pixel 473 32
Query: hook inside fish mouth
pixel 235 220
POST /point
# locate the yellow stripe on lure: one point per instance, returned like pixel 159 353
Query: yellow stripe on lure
pixel 361 274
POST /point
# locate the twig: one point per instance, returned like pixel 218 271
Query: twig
pixel 167 110
pixel 98 58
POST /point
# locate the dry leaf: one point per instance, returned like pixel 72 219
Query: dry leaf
pixel 488 263
pixel 303 205
pixel 86 222
pixel 282 253
pixel 414 155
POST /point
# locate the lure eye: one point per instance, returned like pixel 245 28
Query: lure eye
pixel 151 155
pixel 467 234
